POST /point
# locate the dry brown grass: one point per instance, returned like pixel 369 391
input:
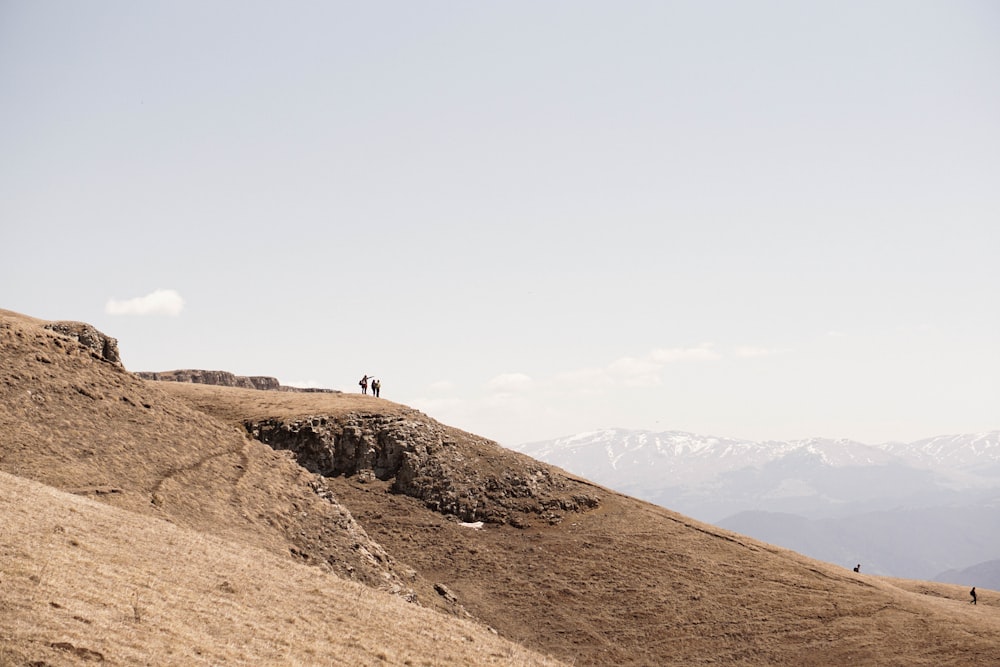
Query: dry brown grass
pixel 634 584
pixel 83 425
pixel 236 405
pixel 627 583
pixel 82 582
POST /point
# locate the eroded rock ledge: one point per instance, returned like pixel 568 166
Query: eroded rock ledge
pixel 101 345
pixel 227 379
pixel 452 472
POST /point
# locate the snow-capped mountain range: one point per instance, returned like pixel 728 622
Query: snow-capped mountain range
pixel 622 447
pixel 831 499
pixel 631 459
pixel 968 453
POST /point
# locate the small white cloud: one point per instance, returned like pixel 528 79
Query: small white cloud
pixel 160 302
pixel 509 382
pixel 644 371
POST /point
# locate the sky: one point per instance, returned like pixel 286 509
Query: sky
pixel 763 220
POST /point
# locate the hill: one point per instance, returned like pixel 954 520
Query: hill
pixel 915 543
pixel 904 510
pixel 78 421
pixel 86 583
pixel 365 489
pixel 984 575
pixel 712 478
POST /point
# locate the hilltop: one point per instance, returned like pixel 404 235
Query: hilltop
pixel 347 487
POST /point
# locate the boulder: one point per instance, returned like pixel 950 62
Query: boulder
pixel 101 345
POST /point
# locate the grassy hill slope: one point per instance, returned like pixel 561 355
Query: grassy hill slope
pixel 631 583
pixel 76 422
pixel 85 583
pixel 562 566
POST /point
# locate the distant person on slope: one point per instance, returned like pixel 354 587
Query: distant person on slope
pixel 857 568
pixel 364 384
pixel 376 387
pixel 973 594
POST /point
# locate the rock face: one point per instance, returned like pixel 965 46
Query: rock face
pixel 72 418
pixel 452 472
pixel 226 379
pixel 101 345
pixel 220 378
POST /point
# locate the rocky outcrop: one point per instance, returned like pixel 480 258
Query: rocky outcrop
pixel 452 472
pixel 101 345
pixel 220 378
pixel 72 418
pixel 226 379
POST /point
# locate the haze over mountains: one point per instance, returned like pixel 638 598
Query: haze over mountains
pixel 164 522
pixel 914 509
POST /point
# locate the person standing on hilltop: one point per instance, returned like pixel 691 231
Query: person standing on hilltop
pixel 376 386
pixel 973 594
pixel 364 384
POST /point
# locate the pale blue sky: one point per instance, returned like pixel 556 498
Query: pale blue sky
pixel 530 219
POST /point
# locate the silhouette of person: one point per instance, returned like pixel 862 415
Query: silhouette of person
pixel 364 384
pixel 376 386
pixel 973 594
pixel 857 568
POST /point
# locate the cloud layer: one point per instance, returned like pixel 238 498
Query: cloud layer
pixel 512 405
pixel 160 302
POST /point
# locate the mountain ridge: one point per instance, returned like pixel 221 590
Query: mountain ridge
pixel 975 447
pixel 857 492
pixel 378 495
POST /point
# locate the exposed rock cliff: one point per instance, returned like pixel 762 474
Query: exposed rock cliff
pixel 101 345
pixel 226 379
pixel 452 472
pixel 73 418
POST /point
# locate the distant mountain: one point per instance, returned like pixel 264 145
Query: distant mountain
pixel 978 453
pixel 455 548
pixel 984 575
pixel 916 543
pixel 907 509
pixel 711 478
